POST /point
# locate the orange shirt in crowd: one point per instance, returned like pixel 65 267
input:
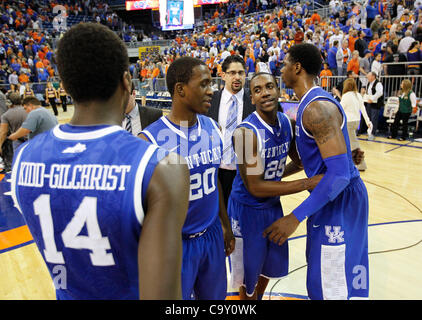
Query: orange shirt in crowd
pixel 353 65
pixel 325 73
pixel 39 64
pixel 352 41
pixel 23 78
pixel 155 72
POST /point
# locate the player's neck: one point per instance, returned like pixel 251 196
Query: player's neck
pixel 181 116
pixel 89 114
pixel 268 117
pixel 303 85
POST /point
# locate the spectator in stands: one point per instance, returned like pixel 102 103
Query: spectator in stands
pixel 331 57
pixel 376 66
pixel 361 45
pixel 414 54
pixel 364 67
pixel 407 101
pixel 324 75
pixel 353 64
pixel 13 78
pixel 38 120
pixel 405 42
pixel 342 57
pixel 352 103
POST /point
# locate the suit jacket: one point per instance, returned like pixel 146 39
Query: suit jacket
pixel 148 115
pixel 248 107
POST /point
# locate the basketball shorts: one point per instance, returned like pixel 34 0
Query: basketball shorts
pixel 337 247
pixel 204 275
pixel 255 255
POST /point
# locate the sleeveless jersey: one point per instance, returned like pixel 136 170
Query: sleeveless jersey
pixel 273 147
pixel 51 92
pixel 201 146
pixel 81 192
pixel 306 146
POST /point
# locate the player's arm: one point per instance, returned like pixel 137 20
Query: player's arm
pixel 229 240
pixel 160 245
pixel 323 120
pixel 21 132
pixel 252 171
pixel 4 128
pixel 295 165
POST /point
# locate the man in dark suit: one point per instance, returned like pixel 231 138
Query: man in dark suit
pixel 232 99
pixel 137 117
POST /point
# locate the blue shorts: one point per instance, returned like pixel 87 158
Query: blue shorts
pixel 337 247
pixel 255 255
pixel 204 275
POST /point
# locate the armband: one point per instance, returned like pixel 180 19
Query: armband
pixel 335 180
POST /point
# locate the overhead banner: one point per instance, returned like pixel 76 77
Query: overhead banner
pixel 154 4
pixel 141 5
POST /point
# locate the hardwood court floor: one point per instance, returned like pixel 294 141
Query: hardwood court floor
pixel 393 180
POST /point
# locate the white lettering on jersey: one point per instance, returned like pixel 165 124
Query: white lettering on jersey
pixel 77 177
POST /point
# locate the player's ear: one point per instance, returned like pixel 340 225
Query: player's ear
pixel 179 88
pixel 298 67
pixel 127 82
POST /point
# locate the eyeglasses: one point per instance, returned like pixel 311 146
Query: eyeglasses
pixel 233 73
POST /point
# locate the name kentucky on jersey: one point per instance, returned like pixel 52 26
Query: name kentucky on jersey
pixel 76 177
pixel 275 151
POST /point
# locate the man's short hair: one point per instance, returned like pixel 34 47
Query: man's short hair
pixel 181 71
pixel 31 100
pixel 308 55
pixel 232 59
pixel 262 74
pixel 91 61
pixel 15 98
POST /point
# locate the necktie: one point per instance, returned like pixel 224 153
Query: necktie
pixel 128 123
pixel 231 124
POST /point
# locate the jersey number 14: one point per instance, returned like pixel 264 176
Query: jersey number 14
pixel 86 214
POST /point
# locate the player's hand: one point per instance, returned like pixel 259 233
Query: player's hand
pixel 281 229
pixel 358 155
pixel 229 240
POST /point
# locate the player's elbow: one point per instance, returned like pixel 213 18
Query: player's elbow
pixel 256 189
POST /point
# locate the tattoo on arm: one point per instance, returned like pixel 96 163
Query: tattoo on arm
pixel 322 120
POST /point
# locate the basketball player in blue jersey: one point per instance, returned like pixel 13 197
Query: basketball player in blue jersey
pixel 337 209
pixel 263 141
pixel 207 234
pixel 105 208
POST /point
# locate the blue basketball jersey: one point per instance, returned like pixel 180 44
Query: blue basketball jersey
pixel 81 191
pixel 306 146
pixel 273 148
pixel 201 146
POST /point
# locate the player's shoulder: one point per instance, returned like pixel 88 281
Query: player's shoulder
pixel 156 125
pixel 208 121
